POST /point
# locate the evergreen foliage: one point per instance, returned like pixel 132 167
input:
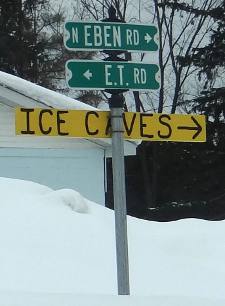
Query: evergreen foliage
pixel 31 40
pixel 31 45
pixel 195 171
pixel 190 182
pixel 14 47
pixel 210 61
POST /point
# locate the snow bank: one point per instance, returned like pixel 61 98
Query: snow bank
pixel 69 197
pixel 59 242
pixel 19 190
pixel 48 247
pixel 95 300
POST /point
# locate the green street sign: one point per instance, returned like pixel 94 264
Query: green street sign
pixel 82 74
pixel 110 36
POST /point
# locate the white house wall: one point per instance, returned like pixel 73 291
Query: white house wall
pixel 82 170
pixel 56 162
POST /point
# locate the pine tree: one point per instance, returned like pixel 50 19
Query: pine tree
pixel 211 62
pixel 46 41
pixel 13 44
pixel 30 45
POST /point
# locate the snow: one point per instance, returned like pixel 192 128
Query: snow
pixel 40 94
pixel 72 300
pixel 58 247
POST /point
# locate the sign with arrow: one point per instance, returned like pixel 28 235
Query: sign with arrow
pixel 96 124
pixel 110 36
pixel 111 75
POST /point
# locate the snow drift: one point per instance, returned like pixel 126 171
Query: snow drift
pixel 59 242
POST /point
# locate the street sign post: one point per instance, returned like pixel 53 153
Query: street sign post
pixel 112 75
pixel 110 36
pixel 97 124
pixel 116 103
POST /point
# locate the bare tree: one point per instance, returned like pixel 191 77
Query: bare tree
pixel 98 9
pixel 179 33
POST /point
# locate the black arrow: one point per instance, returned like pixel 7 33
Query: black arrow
pixel 196 128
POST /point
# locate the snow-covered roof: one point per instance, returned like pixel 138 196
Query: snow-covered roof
pixel 15 91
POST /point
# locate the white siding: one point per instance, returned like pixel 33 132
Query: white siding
pixel 53 161
pixel 57 162
pixel 82 170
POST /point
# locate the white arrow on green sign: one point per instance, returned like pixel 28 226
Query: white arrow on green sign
pixel 82 74
pixel 110 36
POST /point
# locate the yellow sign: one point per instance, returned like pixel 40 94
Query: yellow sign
pixel 96 124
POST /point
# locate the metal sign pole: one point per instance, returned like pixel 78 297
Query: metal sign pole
pixel 116 106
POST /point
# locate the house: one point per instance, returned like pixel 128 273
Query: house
pixel 58 162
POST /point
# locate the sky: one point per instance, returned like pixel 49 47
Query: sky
pixel 57 246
